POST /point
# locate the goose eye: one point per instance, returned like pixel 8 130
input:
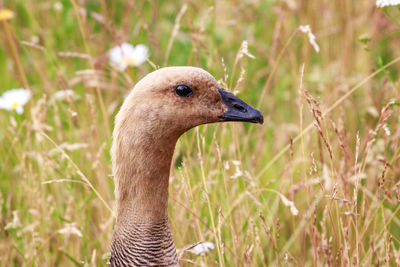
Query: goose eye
pixel 183 90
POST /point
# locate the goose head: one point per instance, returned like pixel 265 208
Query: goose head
pixel 173 100
pixel 161 107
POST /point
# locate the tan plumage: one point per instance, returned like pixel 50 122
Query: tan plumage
pixel 147 127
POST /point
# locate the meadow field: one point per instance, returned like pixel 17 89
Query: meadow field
pixel 318 184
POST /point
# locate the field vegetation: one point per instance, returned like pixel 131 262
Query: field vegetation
pixel 318 184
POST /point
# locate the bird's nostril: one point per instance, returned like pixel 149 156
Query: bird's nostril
pixel 240 108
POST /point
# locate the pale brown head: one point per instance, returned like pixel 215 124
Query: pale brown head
pixel 161 107
pixel 175 99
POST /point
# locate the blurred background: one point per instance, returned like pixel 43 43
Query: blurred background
pixel 316 185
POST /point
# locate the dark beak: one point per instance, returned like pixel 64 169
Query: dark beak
pixel 238 110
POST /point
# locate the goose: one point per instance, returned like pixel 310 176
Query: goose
pixel 161 107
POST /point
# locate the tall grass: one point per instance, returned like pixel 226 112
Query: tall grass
pixel 330 147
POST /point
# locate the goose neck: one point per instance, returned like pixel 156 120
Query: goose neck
pixel 142 236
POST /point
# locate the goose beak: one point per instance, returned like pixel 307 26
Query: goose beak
pixel 238 110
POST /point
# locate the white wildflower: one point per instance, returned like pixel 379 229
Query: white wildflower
pixel 311 36
pixel 70 229
pixel 289 204
pixel 64 95
pixel 126 55
pixel 383 3
pixel 202 248
pixel 15 99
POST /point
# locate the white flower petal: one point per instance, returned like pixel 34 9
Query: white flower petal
pixel 4 104
pixel 126 55
pixel 18 95
pixel 117 54
pixel 121 66
pixel 25 96
pixel 15 99
pixel 19 109
pixel 383 3
pixel 202 248
pixel 140 54
pixel 127 49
